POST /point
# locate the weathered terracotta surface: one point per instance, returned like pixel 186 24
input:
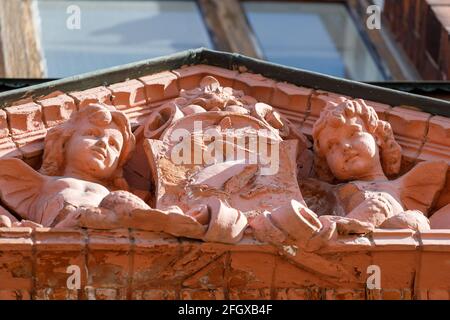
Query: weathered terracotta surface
pixel 358 183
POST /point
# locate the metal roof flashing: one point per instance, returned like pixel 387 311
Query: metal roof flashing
pixel 231 61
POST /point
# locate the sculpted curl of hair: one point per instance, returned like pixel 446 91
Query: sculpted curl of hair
pixel 53 162
pixel 336 115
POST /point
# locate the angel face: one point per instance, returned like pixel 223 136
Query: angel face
pixel 351 152
pixel 94 149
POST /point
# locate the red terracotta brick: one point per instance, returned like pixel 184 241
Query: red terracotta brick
pixel 57 108
pixel 247 243
pixel 373 294
pixel 291 294
pixel 316 293
pixel 355 263
pixel 7 147
pixel 108 261
pixel 56 251
pixel 444 197
pixel 437 143
pixel 14 295
pixel 209 277
pixel 255 85
pixel 27 128
pixel 287 275
pixel 108 294
pixel 390 239
pixel 159 295
pixel 434 271
pixel 409 127
pixel 391 294
pixel 435 240
pixel 92 95
pixel 154 254
pixel 244 273
pixel 349 244
pixel 407 294
pixel 421 294
pixel 160 86
pixel 193 294
pixel 250 294
pixel 348 294
pixel 16 260
pixel 128 94
pixel 292 116
pixel 154 294
pixel 291 97
pixel 130 97
pixel 329 294
pixel 4 131
pixel 192 258
pixel 398 268
pixel 89 293
pixel 55 294
pixel 438 294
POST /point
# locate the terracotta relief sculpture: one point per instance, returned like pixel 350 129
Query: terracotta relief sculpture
pixel 205 158
pixel 353 147
pixel 81 169
pixel 221 162
pixel 82 164
pixel 351 144
pixel 357 149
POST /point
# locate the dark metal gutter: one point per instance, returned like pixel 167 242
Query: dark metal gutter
pixel 231 61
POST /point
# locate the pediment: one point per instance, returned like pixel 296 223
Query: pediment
pixel 221 92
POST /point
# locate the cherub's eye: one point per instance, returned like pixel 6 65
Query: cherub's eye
pixel 92 132
pixel 89 132
pixel 332 143
pixel 113 143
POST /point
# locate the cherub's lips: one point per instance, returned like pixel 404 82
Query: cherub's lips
pixel 100 151
pixel 351 156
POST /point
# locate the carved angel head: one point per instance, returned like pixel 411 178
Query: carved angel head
pixel 93 144
pixel 350 141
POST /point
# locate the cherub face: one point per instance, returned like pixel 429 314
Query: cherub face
pixel 351 151
pixel 94 150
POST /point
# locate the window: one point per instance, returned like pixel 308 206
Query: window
pixel 112 33
pixel 321 37
pixel 324 36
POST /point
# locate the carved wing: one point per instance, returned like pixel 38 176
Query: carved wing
pixel 422 184
pixel 20 187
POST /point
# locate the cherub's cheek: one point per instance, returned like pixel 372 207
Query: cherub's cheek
pixel 86 142
pixel 335 160
pixel 366 149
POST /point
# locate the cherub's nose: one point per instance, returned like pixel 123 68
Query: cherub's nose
pixel 101 143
